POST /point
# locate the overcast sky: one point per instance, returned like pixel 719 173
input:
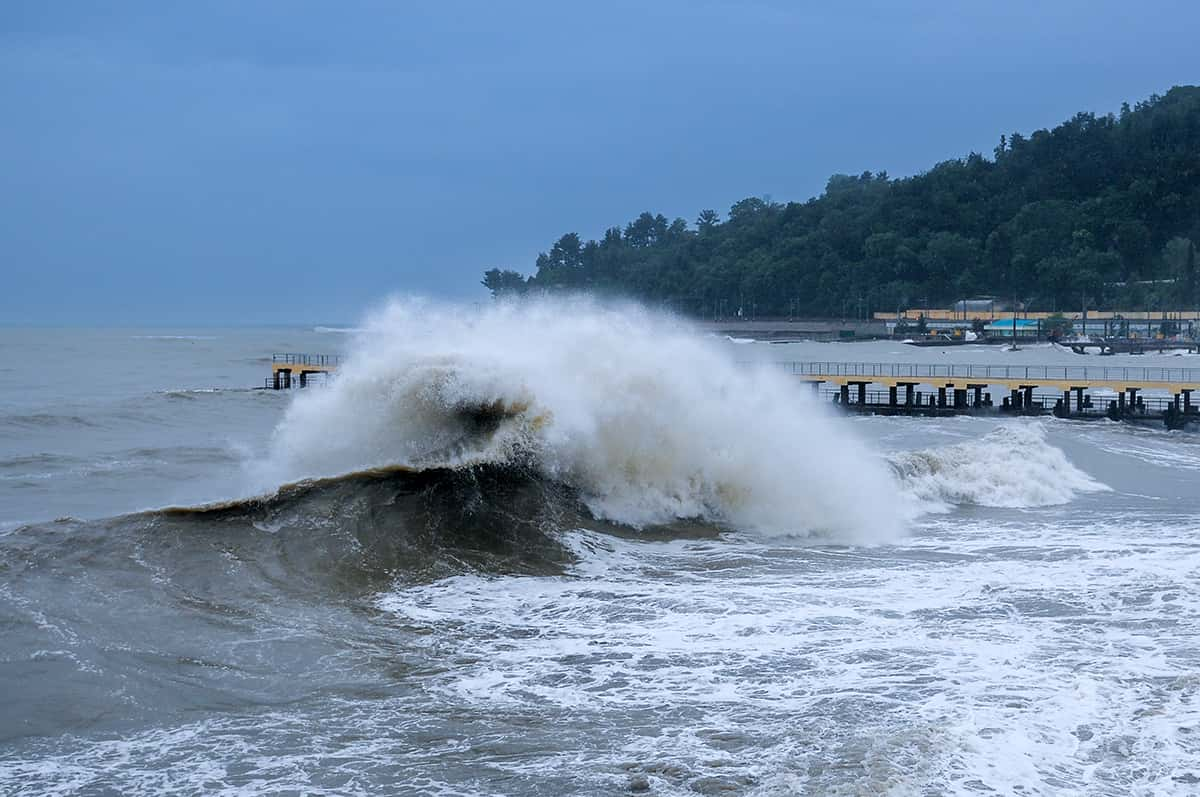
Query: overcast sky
pixel 295 161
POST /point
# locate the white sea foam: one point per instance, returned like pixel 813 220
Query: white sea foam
pixel 1013 466
pixel 1022 662
pixel 646 418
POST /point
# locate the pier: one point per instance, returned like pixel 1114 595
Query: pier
pixel 935 390
pixel 302 366
pixel 1075 391
pixel 1132 345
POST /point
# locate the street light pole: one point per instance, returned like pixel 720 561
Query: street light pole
pixel 1014 343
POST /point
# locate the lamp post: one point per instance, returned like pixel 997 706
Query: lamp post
pixel 1014 329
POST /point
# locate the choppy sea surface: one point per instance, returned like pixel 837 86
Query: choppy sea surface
pixel 584 552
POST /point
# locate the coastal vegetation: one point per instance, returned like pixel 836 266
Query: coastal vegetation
pixel 1101 211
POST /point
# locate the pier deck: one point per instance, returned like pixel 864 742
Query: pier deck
pixel 963 388
pixel 1062 377
pixel 1133 345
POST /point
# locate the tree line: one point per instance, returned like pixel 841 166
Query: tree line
pixel 1102 211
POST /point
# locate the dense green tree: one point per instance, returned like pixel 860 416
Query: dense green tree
pixel 502 282
pixel 1097 210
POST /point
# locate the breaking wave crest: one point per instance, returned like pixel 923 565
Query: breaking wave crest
pixel 635 413
pixel 1013 466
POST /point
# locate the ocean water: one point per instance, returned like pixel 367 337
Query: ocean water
pixel 570 549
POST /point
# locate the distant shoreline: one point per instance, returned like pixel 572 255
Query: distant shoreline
pixel 781 330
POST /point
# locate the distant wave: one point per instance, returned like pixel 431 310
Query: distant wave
pixel 338 330
pixel 37 467
pixel 193 392
pixel 45 419
pixel 1013 466
pixel 44 466
pixel 175 337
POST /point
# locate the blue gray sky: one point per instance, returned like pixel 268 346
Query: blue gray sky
pixel 283 160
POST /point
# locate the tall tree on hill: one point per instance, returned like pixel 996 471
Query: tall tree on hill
pixel 502 282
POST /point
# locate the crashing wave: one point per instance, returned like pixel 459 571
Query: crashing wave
pixel 645 420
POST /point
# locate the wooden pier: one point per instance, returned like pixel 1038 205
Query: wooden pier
pixel 1078 391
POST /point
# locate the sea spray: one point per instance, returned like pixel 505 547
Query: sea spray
pixel 1012 466
pixel 644 417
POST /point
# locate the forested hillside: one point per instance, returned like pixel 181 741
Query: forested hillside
pixel 1102 209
